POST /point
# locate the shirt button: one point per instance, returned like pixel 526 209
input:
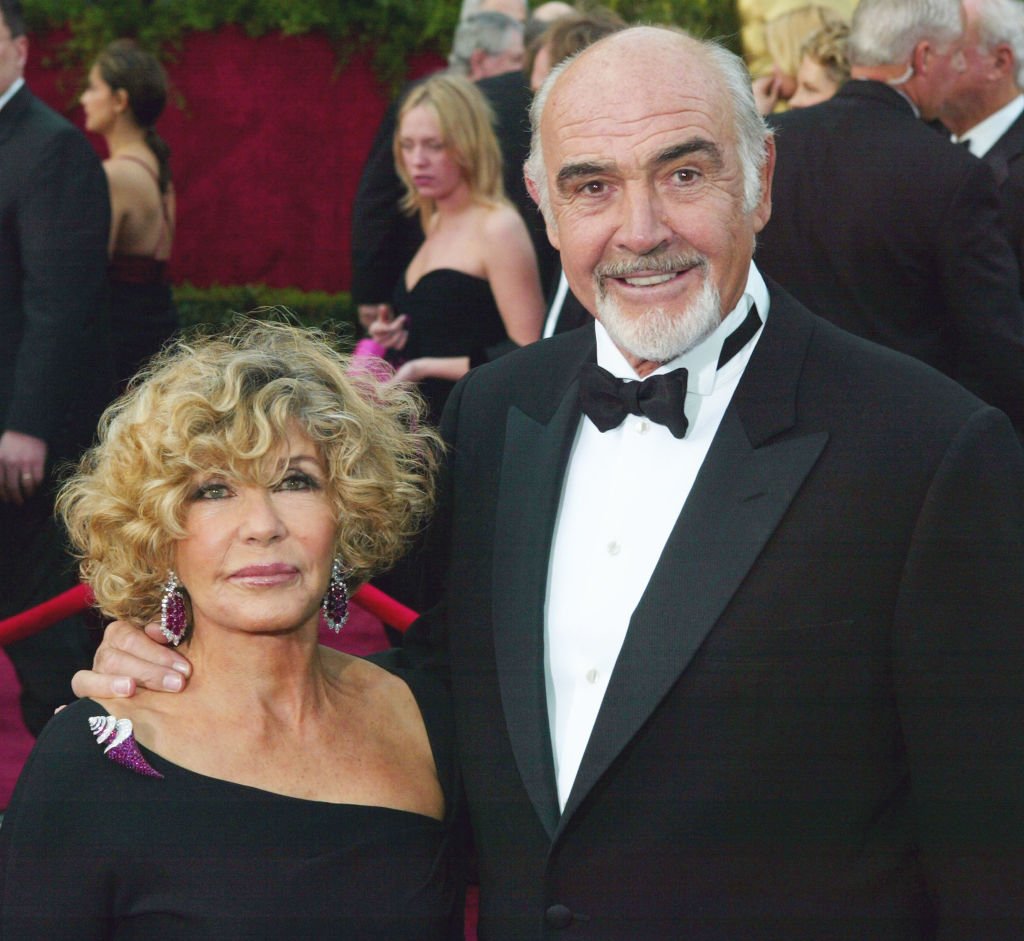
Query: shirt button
pixel 614 548
pixel 558 916
pixel 642 427
pixel 592 676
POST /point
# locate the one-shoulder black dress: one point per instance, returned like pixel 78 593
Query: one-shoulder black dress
pixel 92 850
pixel 451 313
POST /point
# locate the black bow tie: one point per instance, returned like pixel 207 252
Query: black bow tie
pixel 606 401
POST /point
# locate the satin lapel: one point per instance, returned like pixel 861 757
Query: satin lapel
pixel 740 496
pixel 532 471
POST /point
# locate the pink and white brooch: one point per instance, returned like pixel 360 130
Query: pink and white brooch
pixel 122 746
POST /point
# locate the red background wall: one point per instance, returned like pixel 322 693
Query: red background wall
pixel 268 137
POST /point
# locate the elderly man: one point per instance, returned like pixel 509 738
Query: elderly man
pixel 984 109
pixel 753 673
pixel 884 227
pixel 55 371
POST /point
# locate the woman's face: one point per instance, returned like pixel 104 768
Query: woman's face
pixel 101 104
pixel 813 84
pixel 258 559
pixel 427 160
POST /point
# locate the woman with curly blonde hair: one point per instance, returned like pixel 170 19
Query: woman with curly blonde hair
pixel 239 488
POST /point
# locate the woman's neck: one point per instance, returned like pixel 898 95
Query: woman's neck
pixel 126 138
pixel 280 676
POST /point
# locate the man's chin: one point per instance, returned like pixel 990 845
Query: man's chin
pixel 656 334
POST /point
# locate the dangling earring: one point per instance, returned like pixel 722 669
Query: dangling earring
pixel 173 618
pixel 335 604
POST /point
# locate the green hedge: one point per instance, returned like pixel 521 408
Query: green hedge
pixel 219 305
pixel 390 28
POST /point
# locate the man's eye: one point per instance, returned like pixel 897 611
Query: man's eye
pixel 298 481
pixel 593 188
pixel 686 175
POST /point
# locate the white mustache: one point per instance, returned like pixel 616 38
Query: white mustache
pixel 650 264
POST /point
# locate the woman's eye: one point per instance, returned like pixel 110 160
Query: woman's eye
pixel 298 481
pixel 212 491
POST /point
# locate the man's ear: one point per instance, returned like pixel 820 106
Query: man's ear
pixel 763 212
pixel 1004 61
pixel 549 225
pixel 476 64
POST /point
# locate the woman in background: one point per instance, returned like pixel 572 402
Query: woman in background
pixel 126 94
pixel 824 66
pixel 291 790
pixel 785 36
pixel 473 285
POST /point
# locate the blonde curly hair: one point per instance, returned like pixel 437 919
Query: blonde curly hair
pixel 223 404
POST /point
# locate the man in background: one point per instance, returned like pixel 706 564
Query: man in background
pixel 984 109
pixel 55 371
pixel 887 229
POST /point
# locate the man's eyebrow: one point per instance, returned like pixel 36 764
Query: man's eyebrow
pixel 698 145
pixel 576 171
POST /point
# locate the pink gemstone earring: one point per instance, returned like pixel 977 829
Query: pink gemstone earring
pixel 173 618
pixel 335 603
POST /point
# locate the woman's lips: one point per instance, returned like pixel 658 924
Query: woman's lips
pixel 272 574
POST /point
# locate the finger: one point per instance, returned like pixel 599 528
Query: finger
pixel 87 684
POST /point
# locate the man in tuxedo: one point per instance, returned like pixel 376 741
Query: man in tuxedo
pixel 984 109
pixel 753 673
pixel 885 228
pixel 54 360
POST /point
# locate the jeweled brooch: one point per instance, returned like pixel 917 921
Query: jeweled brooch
pixel 122 746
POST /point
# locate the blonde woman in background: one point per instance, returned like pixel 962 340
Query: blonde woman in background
pixel 473 286
pixel 784 37
pixel 824 66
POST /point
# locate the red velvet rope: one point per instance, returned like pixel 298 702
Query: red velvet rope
pixel 391 612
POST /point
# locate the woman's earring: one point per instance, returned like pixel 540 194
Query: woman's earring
pixel 173 618
pixel 335 604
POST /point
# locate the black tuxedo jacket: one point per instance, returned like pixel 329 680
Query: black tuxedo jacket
pixel 892 232
pixel 1006 158
pixel 815 727
pixel 55 367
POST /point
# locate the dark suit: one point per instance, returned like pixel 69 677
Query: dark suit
pixel 814 729
pixel 1006 158
pixel 55 368
pixel 384 240
pixel 892 233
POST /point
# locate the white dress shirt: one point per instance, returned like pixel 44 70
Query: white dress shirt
pixel 12 90
pixel 623 491
pixel 981 138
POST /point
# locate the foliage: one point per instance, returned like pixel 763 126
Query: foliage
pixel 389 29
pixel 220 304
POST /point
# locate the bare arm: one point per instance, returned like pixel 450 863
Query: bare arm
pixel 511 269
pixel 130 657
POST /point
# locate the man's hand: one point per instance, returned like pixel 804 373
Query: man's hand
pixel 129 657
pixel 22 464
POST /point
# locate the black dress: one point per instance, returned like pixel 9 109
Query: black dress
pixel 451 313
pixel 91 850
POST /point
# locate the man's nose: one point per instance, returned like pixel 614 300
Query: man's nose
pixel 644 227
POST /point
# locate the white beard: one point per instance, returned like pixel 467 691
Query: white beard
pixel 658 335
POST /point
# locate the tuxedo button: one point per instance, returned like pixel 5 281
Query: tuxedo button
pixel 558 916
pixel 642 427
pixel 614 548
pixel 592 676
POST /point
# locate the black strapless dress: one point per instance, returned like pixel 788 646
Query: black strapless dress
pixel 451 313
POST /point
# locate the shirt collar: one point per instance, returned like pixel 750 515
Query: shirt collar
pixel 984 134
pixel 11 92
pixel 701 361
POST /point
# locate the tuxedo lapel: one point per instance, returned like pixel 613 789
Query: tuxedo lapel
pixel 533 467
pixel 741 494
pixel 1007 148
